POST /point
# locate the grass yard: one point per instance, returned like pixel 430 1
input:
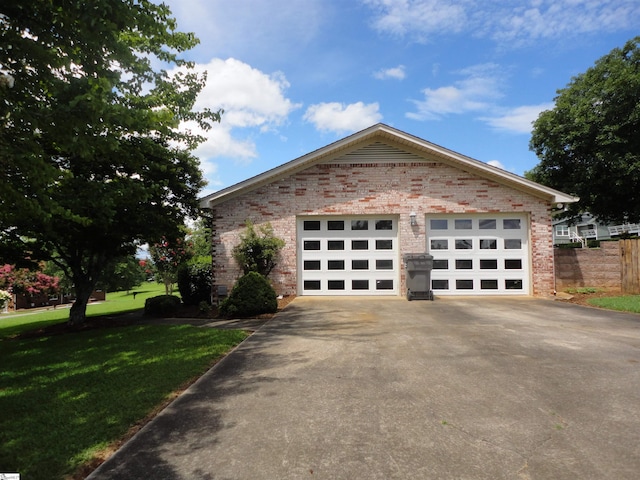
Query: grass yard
pixel 65 398
pixel 625 303
pixel 118 302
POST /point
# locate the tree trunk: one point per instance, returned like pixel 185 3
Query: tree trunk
pixel 78 312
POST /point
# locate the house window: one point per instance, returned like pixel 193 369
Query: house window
pixel 562 231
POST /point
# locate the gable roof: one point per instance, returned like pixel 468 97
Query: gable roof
pixel 394 137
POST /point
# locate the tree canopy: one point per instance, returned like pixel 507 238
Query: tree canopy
pixel 589 143
pixel 92 154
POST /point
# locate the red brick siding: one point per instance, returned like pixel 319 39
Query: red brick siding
pixel 357 189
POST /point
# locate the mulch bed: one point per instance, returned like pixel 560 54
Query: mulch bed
pixel 583 298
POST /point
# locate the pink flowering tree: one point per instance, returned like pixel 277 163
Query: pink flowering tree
pixel 30 283
pixel 167 256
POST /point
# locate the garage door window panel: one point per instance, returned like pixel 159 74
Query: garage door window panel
pixel 335 225
pixel 488 264
pixel 335 284
pixel 384 264
pixel 311 225
pixel 359 244
pixel 360 285
pixel 489 284
pixel 512 244
pixel 311 245
pixel 311 265
pixel 513 264
pixel 384 284
pixel 335 245
pixel 465 264
pixel 513 284
pixel 335 265
pixel 440 284
pixel 464 244
pixel 359 224
pixel 384 244
pixel 463 224
pixel 511 224
pixel 384 224
pixel 487 224
pixel 488 244
pixel 439 224
pixel 359 264
pixel 440 264
pixel 437 244
pixel 311 285
pixel 464 284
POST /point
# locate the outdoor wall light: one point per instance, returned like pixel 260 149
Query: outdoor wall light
pixel 413 218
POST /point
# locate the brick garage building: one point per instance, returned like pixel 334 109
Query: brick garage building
pixel 350 210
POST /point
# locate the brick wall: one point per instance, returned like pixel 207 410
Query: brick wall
pixel 375 188
pixel 588 267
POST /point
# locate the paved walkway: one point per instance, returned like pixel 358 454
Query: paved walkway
pixel 380 388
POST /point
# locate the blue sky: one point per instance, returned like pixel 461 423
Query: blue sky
pixel 471 76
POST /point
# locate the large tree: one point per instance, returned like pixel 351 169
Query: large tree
pixel 92 158
pixel 589 143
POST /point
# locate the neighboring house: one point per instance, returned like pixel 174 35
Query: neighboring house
pixel 349 211
pixel 588 228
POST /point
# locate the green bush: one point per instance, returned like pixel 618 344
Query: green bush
pixel 162 305
pixel 194 283
pixel 251 295
pixel 257 251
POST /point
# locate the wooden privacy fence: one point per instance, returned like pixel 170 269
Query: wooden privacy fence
pixel 630 265
pixel 615 266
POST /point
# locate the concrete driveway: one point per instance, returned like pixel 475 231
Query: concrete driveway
pixel 380 388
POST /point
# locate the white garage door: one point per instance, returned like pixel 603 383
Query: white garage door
pixel 479 254
pixel 348 255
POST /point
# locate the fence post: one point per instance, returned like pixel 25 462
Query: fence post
pixel 630 265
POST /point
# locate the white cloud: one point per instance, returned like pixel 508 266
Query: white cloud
pixel 477 91
pixel 518 119
pixel 510 24
pixel 251 100
pixel 341 118
pixel 396 73
pixel 496 163
pixel 251 29
pixel 418 19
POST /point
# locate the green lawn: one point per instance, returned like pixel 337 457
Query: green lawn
pixel 118 302
pixel 626 303
pixel 65 397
